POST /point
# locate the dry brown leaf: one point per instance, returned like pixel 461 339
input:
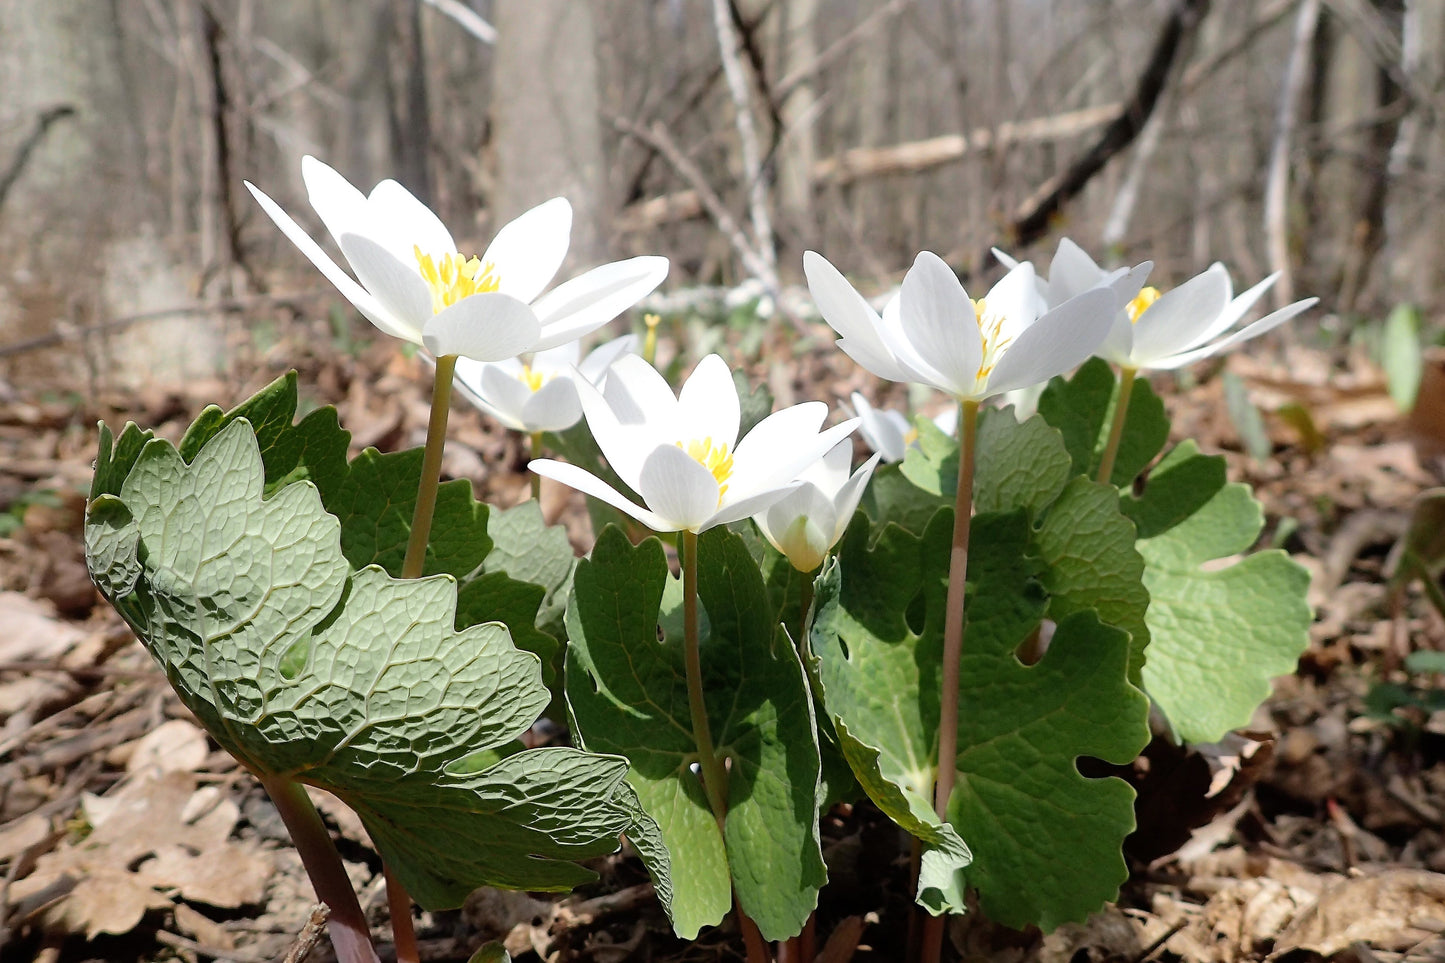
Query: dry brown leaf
pixel 152 837
pixel 30 632
pixel 173 746
pixel 1395 910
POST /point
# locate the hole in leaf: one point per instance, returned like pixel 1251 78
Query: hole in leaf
pixel 916 614
pixel 295 658
pixel 843 647
pixel 1032 649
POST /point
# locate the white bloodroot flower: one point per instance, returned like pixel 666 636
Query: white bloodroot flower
pixel 934 334
pixel 416 286
pixel 1161 332
pixel 808 521
pixel 682 455
pixel 541 394
pixel 889 432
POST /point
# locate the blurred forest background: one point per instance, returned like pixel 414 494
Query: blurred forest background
pixel 1295 135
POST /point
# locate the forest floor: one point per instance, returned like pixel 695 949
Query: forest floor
pixel 1317 834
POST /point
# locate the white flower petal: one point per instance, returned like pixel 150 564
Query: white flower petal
pixel 785 446
pixel 801 525
pixel 1180 316
pixel 1267 323
pixel 850 315
pixel 883 429
pixel 397 285
pixel 360 298
pixel 599 359
pixel 1072 272
pixel 585 303
pixel 708 406
pixel 562 358
pixel 527 251
pixel 1055 343
pixel 735 509
pixel 552 407
pixel 589 484
pixel 1014 303
pixel 1236 309
pixel 505 392
pixel 487 327
pixel 467 377
pixel 678 488
pixel 341 207
pixel 623 445
pixel 637 393
pixel 846 499
pixel 940 323
pixel 830 473
pixel 410 222
pixel 1007 260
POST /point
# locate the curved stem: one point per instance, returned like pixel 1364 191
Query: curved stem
pixel 714 774
pixel 347 924
pixel 953 645
pixel 536 437
pixel 1116 429
pixel 431 468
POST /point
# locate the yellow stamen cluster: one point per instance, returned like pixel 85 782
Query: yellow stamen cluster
pixel 534 379
pixel 1141 303
pixel 715 458
pixel 456 277
pixel 990 330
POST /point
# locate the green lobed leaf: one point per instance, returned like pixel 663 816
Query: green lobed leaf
pixel 352 681
pixel 1218 634
pixel 1045 841
pixel 627 693
pixel 374 497
pixel 1082 408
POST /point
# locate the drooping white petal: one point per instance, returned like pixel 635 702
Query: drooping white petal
pixel 585 303
pixel 601 358
pixel 940 323
pixel 1236 309
pixel 397 212
pixel 589 484
pixel 1118 345
pixel 552 407
pixel 468 378
pixel 487 327
pixel 1267 323
pixel 1058 341
pixel 341 207
pixel 678 488
pixel 707 405
pixel 851 316
pixel 360 298
pixel 527 251
pixel 1179 316
pixel 397 285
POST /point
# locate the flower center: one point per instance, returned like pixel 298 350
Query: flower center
pixel 1141 303
pixel 456 277
pixel 990 329
pixel 715 458
pixel 534 379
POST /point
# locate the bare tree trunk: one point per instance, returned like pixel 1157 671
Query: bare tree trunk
pixel 408 114
pixel 798 142
pixel 548 130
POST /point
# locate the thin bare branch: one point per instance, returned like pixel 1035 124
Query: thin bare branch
pixel 752 158
pixel 1276 192
pixel 465 17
